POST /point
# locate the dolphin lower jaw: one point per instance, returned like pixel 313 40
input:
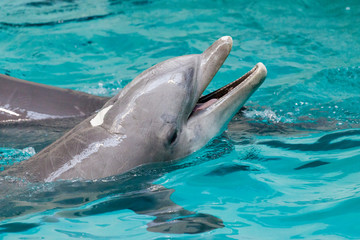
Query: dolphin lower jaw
pixel 216 109
pixel 221 92
pixel 232 96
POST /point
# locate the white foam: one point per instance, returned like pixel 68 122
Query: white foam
pixel 99 118
pixel 87 152
pixel 29 151
pixel 267 115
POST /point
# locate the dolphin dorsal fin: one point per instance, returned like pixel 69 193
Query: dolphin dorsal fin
pixel 21 100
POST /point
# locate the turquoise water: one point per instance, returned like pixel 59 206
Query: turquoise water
pixel 287 168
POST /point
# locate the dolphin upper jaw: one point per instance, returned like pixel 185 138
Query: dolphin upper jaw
pixel 211 61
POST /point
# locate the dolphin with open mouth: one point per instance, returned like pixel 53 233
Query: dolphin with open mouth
pixel 160 116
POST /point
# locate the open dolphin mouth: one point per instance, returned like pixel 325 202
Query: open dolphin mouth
pixel 211 99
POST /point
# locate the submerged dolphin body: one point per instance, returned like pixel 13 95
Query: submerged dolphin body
pixel 159 116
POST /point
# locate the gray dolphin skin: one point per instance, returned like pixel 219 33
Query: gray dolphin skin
pixel 27 101
pixel 160 116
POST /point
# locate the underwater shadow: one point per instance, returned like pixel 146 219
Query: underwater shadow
pixel 133 190
pixel 325 143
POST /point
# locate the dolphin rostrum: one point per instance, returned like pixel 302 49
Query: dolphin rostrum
pixel 160 116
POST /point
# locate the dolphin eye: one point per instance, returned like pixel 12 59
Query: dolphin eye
pixel 173 136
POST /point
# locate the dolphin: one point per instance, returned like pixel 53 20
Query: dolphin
pixel 34 114
pixel 159 116
pixel 23 101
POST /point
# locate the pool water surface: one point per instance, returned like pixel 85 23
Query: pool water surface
pixel 287 167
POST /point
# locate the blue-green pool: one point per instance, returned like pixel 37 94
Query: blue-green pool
pixel 288 168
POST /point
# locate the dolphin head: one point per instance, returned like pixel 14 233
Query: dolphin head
pixel 163 110
pixel 211 113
